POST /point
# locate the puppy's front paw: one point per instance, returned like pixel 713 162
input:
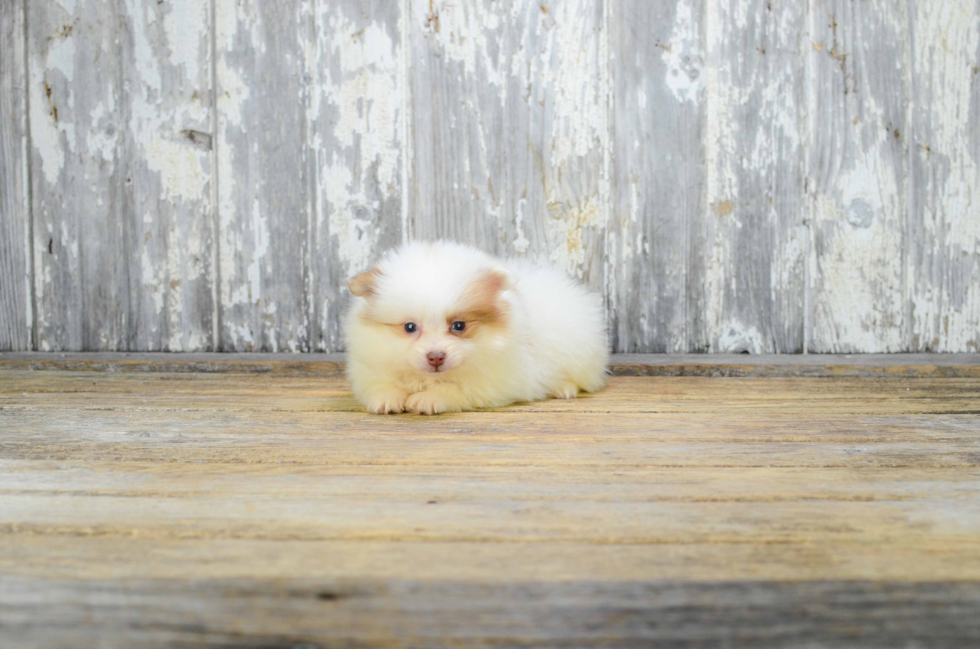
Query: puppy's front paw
pixel 387 404
pixel 567 390
pixel 427 403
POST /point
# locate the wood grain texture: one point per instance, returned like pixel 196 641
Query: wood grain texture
pixel 858 175
pixel 731 177
pixel 749 244
pixel 219 510
pixel 925 365
pixel 16 309
pixel 944 221
pixel 265 174
pixel 357 116
pixel 76 555
pixel 509 129
pixel 166 152
pixel 885 395
pixel 657 67
pixel 383 613
pixel 78 175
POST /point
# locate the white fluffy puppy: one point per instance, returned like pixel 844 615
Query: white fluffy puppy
pixel 442 327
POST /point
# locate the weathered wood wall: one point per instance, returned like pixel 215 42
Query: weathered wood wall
pixel 753 176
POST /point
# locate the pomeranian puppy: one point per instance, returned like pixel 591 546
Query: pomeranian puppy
pixel 442 327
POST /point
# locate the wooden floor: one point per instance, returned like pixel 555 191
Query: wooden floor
pixel 265 509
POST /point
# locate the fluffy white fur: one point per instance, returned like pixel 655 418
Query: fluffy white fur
pixel 530 332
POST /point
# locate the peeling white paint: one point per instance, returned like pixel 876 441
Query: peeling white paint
pixel 232 94
pixel 151 283
pixel 682 56
pixel 98 138
pixel 406 141
pixel 859 285
pixel 145 60
pixel 50 109
pixel 740 12
pixel 567 226
pixel 789 264
pixel 520 242
pixel 357 117
pixel 232 16
pixel 722 137
pixel 579 111
pixel 367 100
pixel 227 232
pixel 260 240
pixel 361 93
pixel 238 334
pixel 167 79
pixel 353 235
pixel 859 297
pixel 232 99
pixel 61 55
pixel 182 24
pixel 753 148
pixel 46 132
pixel 946 301
pixel 462 30
pixel 182 175
pixel 735 337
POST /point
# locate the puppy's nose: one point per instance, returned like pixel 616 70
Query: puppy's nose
pixel 436 358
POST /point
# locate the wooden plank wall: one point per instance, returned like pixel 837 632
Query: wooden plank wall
pixel 16 309
pixel 753 176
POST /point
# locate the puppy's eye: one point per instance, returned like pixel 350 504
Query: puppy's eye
pixel 459 325
pixel 411 327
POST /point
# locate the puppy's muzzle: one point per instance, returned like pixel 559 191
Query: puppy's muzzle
pixel 436 359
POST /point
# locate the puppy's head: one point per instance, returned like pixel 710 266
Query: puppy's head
pixel 429 318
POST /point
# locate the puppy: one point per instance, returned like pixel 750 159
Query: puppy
pixel 442 327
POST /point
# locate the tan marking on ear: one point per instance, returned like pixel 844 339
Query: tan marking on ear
pixel 495 280
pixel 480 303
pixel 364 284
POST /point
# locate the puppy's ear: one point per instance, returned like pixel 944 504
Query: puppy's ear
pixel 365 284
pixel 480 301
pixel 495 281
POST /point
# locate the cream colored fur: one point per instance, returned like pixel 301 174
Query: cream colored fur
pixel 549 341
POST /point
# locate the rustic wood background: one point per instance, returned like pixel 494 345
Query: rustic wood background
pixel 247 501
pixel 756 175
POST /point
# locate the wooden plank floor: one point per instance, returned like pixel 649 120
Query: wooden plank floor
pixel 265 509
